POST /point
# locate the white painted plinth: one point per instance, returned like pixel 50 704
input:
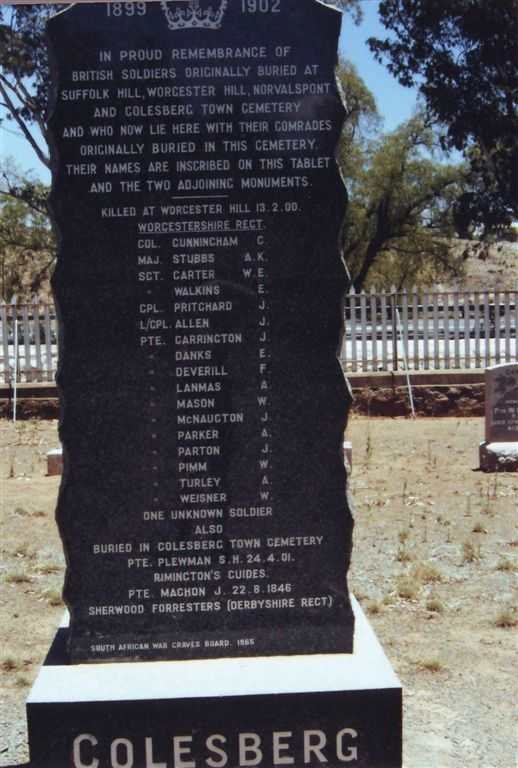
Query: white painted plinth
pixel 499 457
pixel 313 710
pixel 365 669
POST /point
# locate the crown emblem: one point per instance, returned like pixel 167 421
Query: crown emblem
pixel 193 17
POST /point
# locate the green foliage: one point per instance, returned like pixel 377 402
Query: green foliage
pixel 27 245
pixel 362 120
pixel 461 55
pixel 24 71
pixel 399 218
pixel 349 6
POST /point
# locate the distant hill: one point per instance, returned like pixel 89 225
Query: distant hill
pixel 488 267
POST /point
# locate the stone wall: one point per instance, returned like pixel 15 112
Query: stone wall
pixel 461 400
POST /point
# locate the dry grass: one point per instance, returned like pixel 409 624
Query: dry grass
pixel 374 607
pixel 404 556
pixel 46 569
pixel 426 573
pixel 389 599
pixel 434 605
pixel 408 587
pixel 52 596
pixel 24 551
pixel 471 552
pixel 430 665
pixel 507 619
pixel 479 528
pixel 17 577
pixel 507 566
pixel 10 663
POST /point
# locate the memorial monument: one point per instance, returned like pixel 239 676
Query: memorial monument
pixel 203 505
pixel 199 285
pixel 499 451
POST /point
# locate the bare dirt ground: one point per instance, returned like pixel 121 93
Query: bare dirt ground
pixel 434 566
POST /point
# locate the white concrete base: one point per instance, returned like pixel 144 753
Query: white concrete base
pixel 498 457
pixel 349 699
pixel 366 669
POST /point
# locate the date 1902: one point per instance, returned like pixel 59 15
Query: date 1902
pixel 139 9
pixel 260 6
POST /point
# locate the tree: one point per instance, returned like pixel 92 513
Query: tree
pixel 27 247
pixel 461 55
pixel 24 71
pixel 399 220
pixel 362 120
pixel 349 6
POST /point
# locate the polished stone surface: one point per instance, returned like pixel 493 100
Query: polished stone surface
pixel 502 403
pixel 203 505
pixel 499 451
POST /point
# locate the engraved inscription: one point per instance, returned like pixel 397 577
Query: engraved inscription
pixel 199 204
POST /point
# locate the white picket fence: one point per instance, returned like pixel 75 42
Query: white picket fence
pixel 440 330
pixel 28 342
pixel 384 331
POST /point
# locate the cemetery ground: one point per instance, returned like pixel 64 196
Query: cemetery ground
pixel 434 565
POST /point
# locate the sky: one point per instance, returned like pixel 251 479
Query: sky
pixel 395 103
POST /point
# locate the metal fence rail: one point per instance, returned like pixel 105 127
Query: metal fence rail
pixel 440 330
pixel 384 331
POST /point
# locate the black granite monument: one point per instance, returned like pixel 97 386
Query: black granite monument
pixel 203 505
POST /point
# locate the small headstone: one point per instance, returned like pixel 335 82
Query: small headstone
pixel 499 451
pixel 348 455
pixel 55 461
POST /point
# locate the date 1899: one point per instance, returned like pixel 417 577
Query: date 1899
pixel 125 9
pixel 139 9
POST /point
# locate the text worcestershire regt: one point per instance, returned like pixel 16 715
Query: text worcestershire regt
pixel 198 204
